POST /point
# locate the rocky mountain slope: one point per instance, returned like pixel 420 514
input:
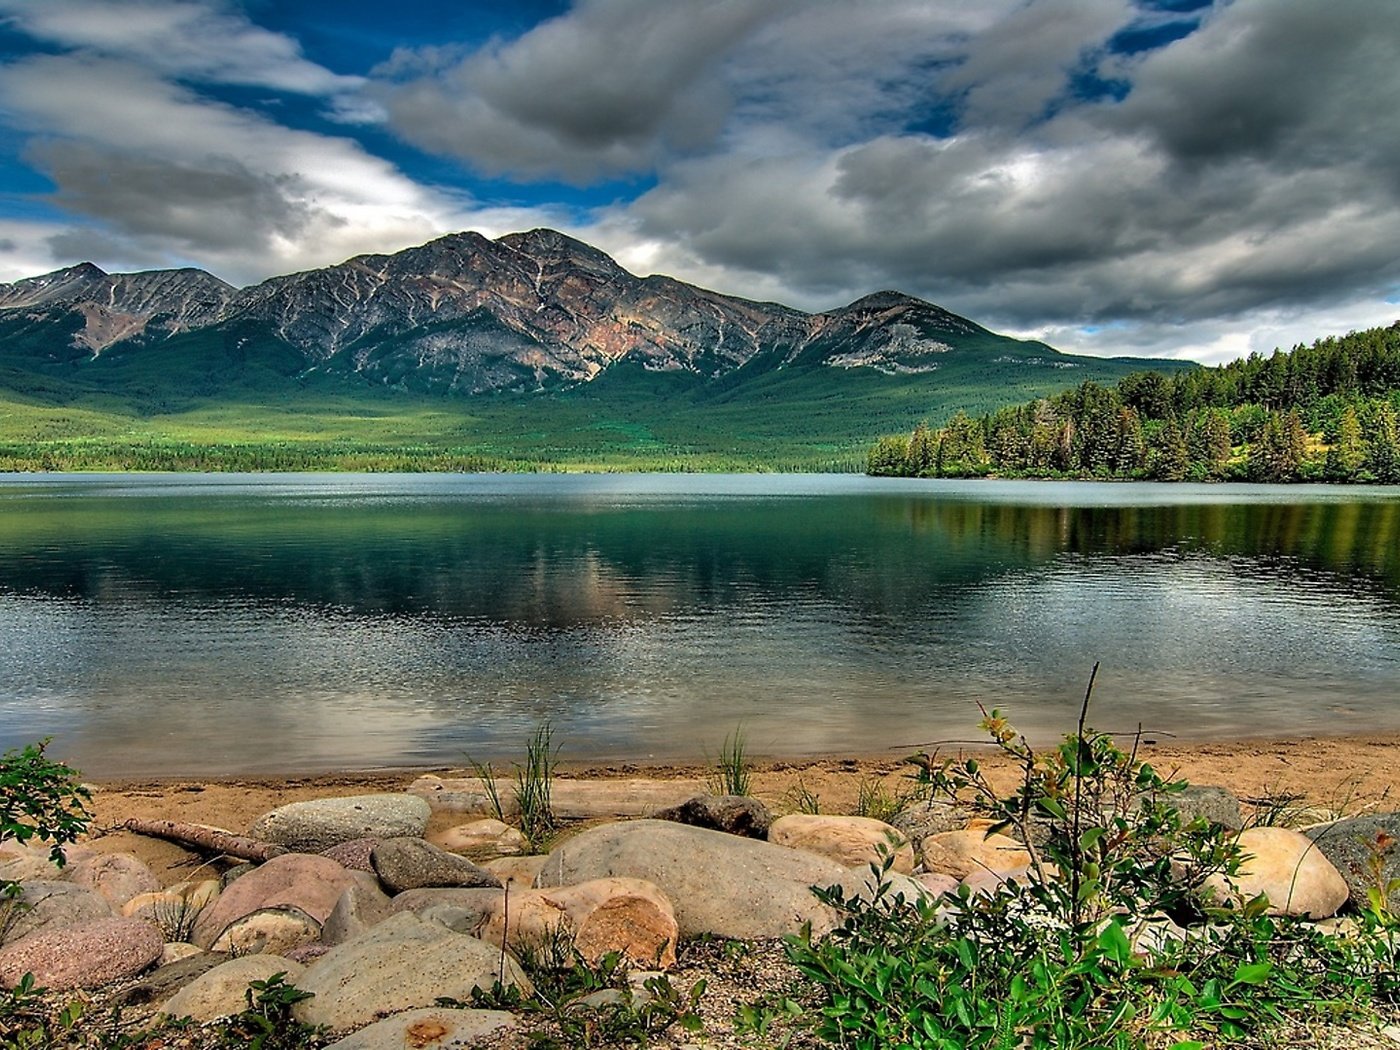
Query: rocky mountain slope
pixel 465 314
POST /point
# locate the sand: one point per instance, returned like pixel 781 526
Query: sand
pixel 1316 778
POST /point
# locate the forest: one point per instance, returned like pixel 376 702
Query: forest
pixel 1325 412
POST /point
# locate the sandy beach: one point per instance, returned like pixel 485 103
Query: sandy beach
pixel 1316 778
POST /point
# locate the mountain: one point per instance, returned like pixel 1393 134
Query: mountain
pixel 468 320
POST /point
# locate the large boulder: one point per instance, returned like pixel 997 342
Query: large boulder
pixel 1366 851
pixel 49 905
pixel 733 814
pixel 403 963
pixel 717 883
pixel 116 876
pixel 361 905
pixel 411 863
pixel 170 976
pixel 268 931
pixel 1289 868
pixel 627 916
pixel 298 880
pixel 319 824
pixel 855 842
pixel 87 955
pixel 922 819
pixel 960 853
pixel 221 991
pixel 431 1028
pixel 569 799
pixel 487 836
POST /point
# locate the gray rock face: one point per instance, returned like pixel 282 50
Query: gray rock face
pixel 1216 804
pixel 717 883
pixel 319 824
pixel 87 955
pixel 430 1029
pixel 221 990
pixel 297 880
pixel 166 980
pixel 362 905
pixel 923 820
pixel 42 905
pixel 411 863
pixel 1353 845
pixel 401 964
pixel 353 855
pixel 732 814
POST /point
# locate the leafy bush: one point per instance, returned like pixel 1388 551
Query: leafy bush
pixel 1081 953
pixel 40 799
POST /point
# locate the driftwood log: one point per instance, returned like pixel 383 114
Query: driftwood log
pixel 210 840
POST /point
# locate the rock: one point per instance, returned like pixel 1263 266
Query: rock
pixel 402 963
pixel 922 819
pixel 480 835
pixel 716 883
pixel 936 883
pixel 855 842
pixel 319 824
pixel 86 955
pixel 1287 866
pixel 733 814
pixel 987 883
pixel 353 855
pixel 25 862
pixel 361 905
pixel 175 910
pixel 570 799
pixel 306 954
pixel 411 863
pixel 268 931
pixel 43 905
pixel 116 876
pixel 1354 845
pixel 228 877
pixel 172 975
pixel 518 871
pixel 433 1028
pixel 628 916
pixel 222 990
pixel 462 910
pixel 177 951
pixel 960 853
pixel 1216 804
pixel 312 884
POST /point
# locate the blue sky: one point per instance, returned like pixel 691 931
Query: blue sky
pixel 1178 177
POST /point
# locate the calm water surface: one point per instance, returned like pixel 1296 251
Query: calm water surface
pixel 183 624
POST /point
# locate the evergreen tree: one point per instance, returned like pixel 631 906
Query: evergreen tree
pixel 923 452
pixel 1383 445
pixel 1346 456
pixel 1171 459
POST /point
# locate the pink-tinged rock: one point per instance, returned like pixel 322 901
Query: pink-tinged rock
pixel 960 853
pixel 87 955
pixel 629 916
pixel 353 855
pixel 116 876
pixel 855 842
pixel 50 905
pixel 937 883
pixel 297 880
pixel 1290 869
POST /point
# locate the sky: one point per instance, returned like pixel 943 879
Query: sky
pixel 1179 178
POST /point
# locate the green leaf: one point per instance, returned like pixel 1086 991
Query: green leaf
pixel 1115 943
pixel 1253 973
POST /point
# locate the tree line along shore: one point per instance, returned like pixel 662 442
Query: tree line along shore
pixel 1325 412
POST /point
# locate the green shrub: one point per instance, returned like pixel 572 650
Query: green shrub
pixel 40 799
pixel 1056 960
pixel 732 773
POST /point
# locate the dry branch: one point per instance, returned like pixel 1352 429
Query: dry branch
pixel 210 840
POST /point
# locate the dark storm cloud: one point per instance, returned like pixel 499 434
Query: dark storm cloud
pixel 593 93
pixel 1251 166
pixel 214 205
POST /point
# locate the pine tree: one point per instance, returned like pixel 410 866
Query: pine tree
pixel 1346 456
pixel 1383 445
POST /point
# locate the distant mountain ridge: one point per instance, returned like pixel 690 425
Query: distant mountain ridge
pixel 469 315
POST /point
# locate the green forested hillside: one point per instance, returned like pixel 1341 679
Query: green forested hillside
pixel 1322 412
pixel 206 401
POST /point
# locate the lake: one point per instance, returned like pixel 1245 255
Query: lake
pixel 186 624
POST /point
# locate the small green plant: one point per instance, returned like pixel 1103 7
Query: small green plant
pixel 267 1022
pixel 804 799
pixel 32 1019
pixel 40 799
pixel 732 773
pixel 534 810
pixel 875 800
pixel 533 783
pixel 590 1004
pixel 178 918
